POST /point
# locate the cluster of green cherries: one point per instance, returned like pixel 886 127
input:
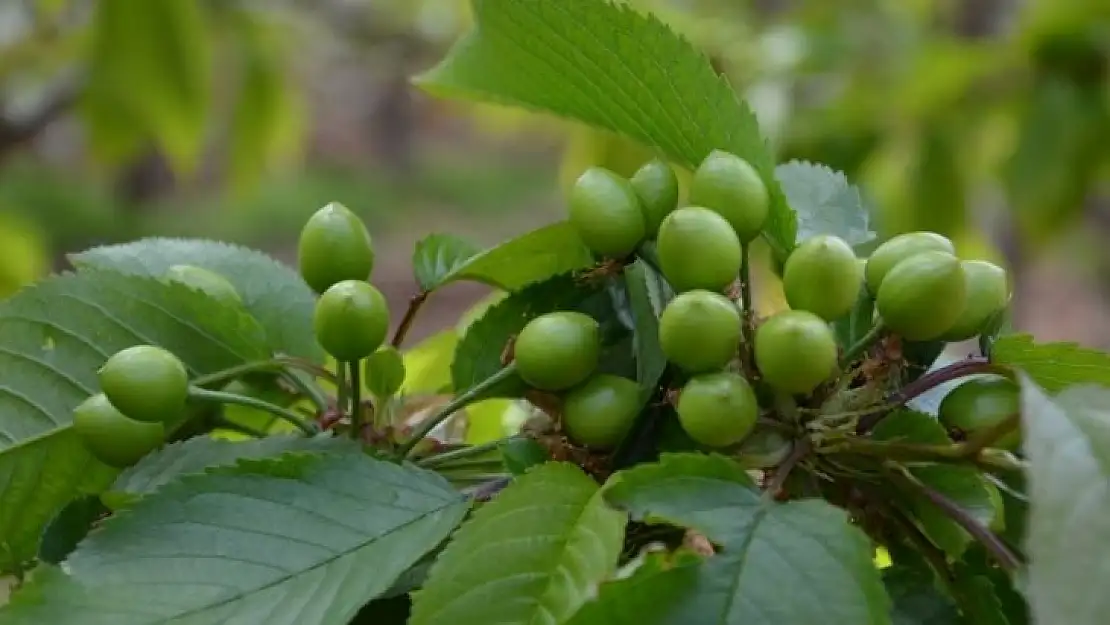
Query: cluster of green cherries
pixel 921 289
pixel 145 389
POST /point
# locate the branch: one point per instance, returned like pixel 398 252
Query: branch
pixel 415 304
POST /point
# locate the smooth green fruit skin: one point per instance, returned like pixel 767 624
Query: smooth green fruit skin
pixel 146 383
pixel 763 448
pixel 730 186
pixel 981 403
pixel 600 412
pixel 334 246
pixel 606 213
pixel 823 276
pixel 700 331
pixel 717 409
pixel 656 184
pixel 558 350
pixel 110 436
pixel 208 282
pixel 351 320
pixel 384 371
pixel 795 351
pixel 899 248
pixel 922 296
pixel 697 249
pixel 988 293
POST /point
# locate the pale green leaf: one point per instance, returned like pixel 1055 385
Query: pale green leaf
pixel 272 292
pixel 306 540
pixel 152 62
pixel 648 596
pixel 610 67
pixel 648 294
pixel 824 202
pixel 437 256
pixel 53 338
pixel 1067 443
pixel 1054 366
pixel 799 562
pixel 532 555
pixel 963 485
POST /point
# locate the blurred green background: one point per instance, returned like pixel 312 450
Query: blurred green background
pixel 988 120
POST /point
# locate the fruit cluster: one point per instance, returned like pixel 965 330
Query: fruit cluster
pixel 725 358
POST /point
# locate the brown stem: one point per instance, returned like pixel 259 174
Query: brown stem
pixel 801 449
pixel 415 304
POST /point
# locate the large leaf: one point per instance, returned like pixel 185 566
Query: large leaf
pixel 612 68
pixel 533 555
pixel 648 294
pixel 151 61
pixel 963 485
pixel 274 293
pixel 531 257
pixel 1067 443
pixel 647 596
pixel 824 202
pixel 1054 366
pixel 53 338
pixel 799 562
pixel 306 540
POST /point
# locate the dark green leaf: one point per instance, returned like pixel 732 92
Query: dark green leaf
pixel 653 594
pixel 916 599
pixel 53 338
pixel 306 540
pixel 69 527
pixel 521 454
pixel 648 294
pixel 273 293
pixel 1054 366
pixel 824 202
pixel 531 555
pixel 612 68
pixel 799 562
pixel 437 256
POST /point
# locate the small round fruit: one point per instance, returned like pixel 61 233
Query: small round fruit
pixel 657 187
pixel 717 409
pixel 764 448
pixel 899 248
pixel 697 249
pixel 923 295
pixel 146 383
pixel 558 350
pixel 110 436
pixel 730 186
pixel 981 403
pixel 208 282
pixel 600 412
pixel 606 213
pixel 795 351
pixel 700 331
pixel 823 276
pixel 334 246
pixel 351 320
pixel 384 371
pixel 988 292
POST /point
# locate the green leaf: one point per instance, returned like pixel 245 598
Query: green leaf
pixel 533 555
pixel 152 63
pixel 648 294
pixel 824 202
pixel 53 338
pixel 273 293
pixel 196 454
pixel 1054 366
pixel 69 528
pixel 649 596
pixel 437 256
pixel 799 562
pixel 610 67
pixel 964 485
pixel 916 599
pixel 522 454
pixel 306 540
pixel 531 257
pixel 977 596
pixel 478 355
pixel 1067 444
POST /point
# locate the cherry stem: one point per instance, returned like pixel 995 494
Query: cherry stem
pixel 356 398
pixel 747 314
pixel 221 397
pixel 415 303
pixel 471 395
pixel 275 364
pixel 954 453
pixel 1001 553
pixel 860 346
pixel 308 388
pixel 801 449
pixel 464 452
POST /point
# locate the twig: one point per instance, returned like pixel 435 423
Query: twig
pixel 203 394
pixel 415 303
pixel 356 398
pixel 747 314
pixel 801 449
pixel 463 452
pixel 896 450
pixel 985 438
pixel 860 346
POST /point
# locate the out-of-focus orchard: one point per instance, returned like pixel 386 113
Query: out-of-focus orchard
pixel 987 120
